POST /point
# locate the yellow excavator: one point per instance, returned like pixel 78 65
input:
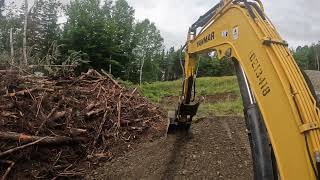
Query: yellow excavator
pixel 280 107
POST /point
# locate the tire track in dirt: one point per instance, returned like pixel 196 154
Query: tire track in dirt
pixel 217 149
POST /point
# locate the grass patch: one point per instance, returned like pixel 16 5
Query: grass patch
pixel 160 92
pixel 221 108
pixel 204 86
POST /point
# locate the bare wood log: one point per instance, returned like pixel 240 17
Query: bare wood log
pixel 137 128
pixel 119 111
pixel 100 155
pixel 94 112
pixel 9 114
pixel 39 105
pixel 91 73
pixel 77 132
pixel 58 115
pixel 47 118
pixel 8 71
pixel 48 140
pixel 110 77
pixel 27 91
pixel 4 177
pixel 101 126
pixel 21 147
pixel 7 106
pixel 20 93
pixel 90 107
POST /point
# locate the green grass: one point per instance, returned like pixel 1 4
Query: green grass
pixel 221 108
pixel 204 87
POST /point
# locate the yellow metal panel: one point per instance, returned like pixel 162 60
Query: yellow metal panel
pixel 277 83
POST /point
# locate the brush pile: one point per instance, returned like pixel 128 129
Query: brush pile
pixel 63 127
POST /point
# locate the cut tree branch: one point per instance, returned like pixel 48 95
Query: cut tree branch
pixel 48 140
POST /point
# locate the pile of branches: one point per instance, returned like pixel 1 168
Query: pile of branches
pixel 53 127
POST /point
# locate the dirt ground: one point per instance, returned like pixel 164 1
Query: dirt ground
pixel 217 149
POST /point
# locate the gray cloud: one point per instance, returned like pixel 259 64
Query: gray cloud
pixel 298 21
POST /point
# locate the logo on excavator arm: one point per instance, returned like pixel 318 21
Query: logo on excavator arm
pixel 206 39
pixel 260 74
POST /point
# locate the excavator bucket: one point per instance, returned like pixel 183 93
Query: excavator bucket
pixel 174 126
pixel 181 119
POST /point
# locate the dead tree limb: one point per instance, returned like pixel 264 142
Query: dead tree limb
pixel 48 140
pixel 101 126
pixel 47 118
pixel 4 177
pixel 110 77
pixel 94 112
pixel 119 111
pixel 21 147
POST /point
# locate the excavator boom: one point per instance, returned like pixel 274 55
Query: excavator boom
pixel 281 112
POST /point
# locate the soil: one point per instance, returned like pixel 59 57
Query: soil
pixel 217 149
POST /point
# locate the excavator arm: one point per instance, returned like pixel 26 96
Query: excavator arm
pixel 281 112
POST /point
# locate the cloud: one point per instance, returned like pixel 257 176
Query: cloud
pixel 298 21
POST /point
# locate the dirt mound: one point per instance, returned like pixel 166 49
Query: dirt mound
pixel 218 149
pixel 53 127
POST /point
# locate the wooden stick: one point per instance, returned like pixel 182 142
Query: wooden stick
pixel 94 112
pixel 101 126
pixel 21 147
pixel 4 177
pixel 48 140
pixel 40 104
pixel 20 93
pixel 57 115
pixel 27 91
pixel 8 71
pixel 47 118
pixel 119 111
pixel 110 77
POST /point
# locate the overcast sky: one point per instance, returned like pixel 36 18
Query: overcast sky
pixel 298 21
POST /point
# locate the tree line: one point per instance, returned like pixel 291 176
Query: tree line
pixel 308 57
pixel 104 35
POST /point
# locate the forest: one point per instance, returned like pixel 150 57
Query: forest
pixel 103 35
